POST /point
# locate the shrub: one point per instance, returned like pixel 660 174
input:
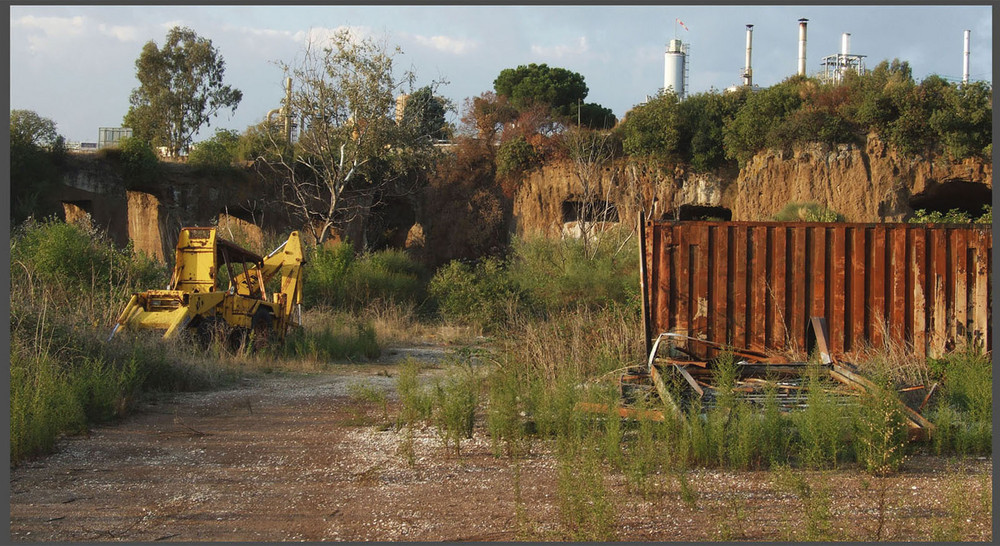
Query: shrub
pixel 564 274
pixel 69 254
pixel 516 156
pixel 481 295
pixel 217 152
pixel 339 278
pixel 139 162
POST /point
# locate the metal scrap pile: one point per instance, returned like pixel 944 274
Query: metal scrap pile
pixel 680 360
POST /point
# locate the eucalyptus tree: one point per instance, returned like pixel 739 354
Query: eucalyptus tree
pixel 180 89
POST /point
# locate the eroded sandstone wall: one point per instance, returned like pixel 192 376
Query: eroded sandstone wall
pixel 869 183
pixel 866 183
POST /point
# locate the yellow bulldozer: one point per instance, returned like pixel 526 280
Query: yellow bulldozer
pixel 194 302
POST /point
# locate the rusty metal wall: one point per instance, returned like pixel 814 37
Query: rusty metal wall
pixel 755 285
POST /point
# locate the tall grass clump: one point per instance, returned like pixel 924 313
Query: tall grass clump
pixel 564 274
pixel 823 426
pixel 456 398
pixel 963 410
pixel 341 279
pixel 480 295
pixel 68 284
pixel 335 337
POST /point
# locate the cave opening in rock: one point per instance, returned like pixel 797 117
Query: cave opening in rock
pixel 388 223
pixel 589 211
pixel 703 212
pixel 967 197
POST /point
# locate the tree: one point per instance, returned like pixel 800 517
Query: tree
pixel 28 128
pixel 426 114
pixel 180 89
pixel 350 149
pixel 652 129
pixel 558 88
pixel 219 151
pixel 754 126
pixel 702 117
pixel 36 153
pixel 487 114
pixel 592 115
pixel 591 153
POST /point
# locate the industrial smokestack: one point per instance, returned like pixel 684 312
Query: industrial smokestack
pixel 845 43
pixel 965 59
pixel 802 46
pixel 748 72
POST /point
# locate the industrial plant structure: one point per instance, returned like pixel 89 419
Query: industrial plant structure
pixel 675 67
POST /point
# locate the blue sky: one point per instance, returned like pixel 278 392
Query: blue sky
pixel 75 64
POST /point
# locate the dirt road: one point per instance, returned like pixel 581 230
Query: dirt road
pixel 294 457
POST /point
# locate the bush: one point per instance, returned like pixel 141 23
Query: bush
pixel 139 162
pixel 69 254
pixel 564 274
pixel 516 156
pixel 217 152
pixel 338 278
pixel 481 295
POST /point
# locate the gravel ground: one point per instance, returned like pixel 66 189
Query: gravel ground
pixel 294 457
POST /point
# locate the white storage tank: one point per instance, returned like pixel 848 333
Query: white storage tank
pixel 673 67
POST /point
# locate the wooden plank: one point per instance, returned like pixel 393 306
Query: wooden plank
pixel 690 380
pixel 920 284
pixel 643 285
pixel 779 288
pixel 739 286
pixel 758 288
pixel 701 275
pixel 798 280
pixel 661 389
pixel 938 248
pixel 822 340
pixel 897 305
pixel 838 279
pixel 627 413
pixel 876 288
pixel 960 287
pixel 857 300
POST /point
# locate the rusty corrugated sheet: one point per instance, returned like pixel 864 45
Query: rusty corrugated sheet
pixel 755 285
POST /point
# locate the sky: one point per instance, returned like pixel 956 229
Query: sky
pixel 76 64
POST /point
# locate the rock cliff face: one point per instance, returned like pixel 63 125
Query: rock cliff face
pixel 868 183
pixel 150 215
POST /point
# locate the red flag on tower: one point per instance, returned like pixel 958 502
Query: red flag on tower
pixel 683 25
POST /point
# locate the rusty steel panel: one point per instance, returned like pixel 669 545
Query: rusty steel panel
pixel 756 285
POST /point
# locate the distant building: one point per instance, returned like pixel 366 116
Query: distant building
pixel 109 137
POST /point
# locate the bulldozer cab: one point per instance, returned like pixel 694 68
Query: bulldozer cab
pixel 201 257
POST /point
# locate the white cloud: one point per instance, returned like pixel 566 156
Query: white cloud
pixel 447 44
pixel 46 33
pixel 120 32
pixel 563 50
pixel 322 35
pixel 167 25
